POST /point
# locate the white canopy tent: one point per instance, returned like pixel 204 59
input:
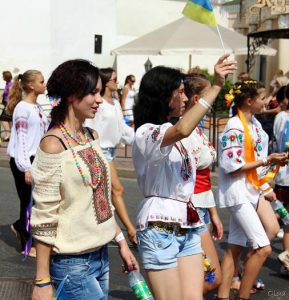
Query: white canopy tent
pixel 185 36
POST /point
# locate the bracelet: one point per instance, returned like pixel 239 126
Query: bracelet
pixel 204 103
pixel 42 282
pixel 119 237
pixel 265 161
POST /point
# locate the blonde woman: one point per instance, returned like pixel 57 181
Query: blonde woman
pixel 29 125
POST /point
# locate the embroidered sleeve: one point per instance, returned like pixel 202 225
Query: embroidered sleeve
pixel 22 158
pixel 46 173
pixel 149 138
pixel 231 144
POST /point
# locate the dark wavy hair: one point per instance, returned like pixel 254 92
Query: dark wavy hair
pixel 77 78
pixel 155 93
pixel 105 75
pixel 243 90
pixel 287 91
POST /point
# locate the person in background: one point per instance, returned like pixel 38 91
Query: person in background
pixel 243 166
pixel 196 85
pixel 127 98
pixel 73 220
pixel 272 87
pixel 5 118
pixel 281 127
pixel 112 130
pixel 168 242
pixel 28 126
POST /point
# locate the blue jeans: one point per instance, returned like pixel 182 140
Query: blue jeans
pixel 81 277
pixel 109 153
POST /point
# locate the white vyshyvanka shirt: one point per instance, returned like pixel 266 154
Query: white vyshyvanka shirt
pixel 282 177
pixel 29 125
pixel 204 154
pixel 158 170
pixel 110 126
pixel 235 189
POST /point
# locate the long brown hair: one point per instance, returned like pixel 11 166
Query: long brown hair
pixel 20 85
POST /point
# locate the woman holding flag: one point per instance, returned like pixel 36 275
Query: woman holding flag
pixel 244 167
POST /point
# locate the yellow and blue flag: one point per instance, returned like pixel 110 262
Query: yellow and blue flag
pixel 200 11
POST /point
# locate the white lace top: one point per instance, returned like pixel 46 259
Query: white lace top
pixel 165 191
pixel 29 125
pixel 68 214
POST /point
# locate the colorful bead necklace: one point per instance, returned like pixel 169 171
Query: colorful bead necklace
pixel 67 134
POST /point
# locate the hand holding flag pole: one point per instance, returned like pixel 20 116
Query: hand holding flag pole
pixel 202 11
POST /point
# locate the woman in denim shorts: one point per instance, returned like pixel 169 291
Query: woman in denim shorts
pixel 203 199
pixel 168 241
pixel 73 218
pixel 112 130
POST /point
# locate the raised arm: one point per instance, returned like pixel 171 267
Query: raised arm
pixel 184 127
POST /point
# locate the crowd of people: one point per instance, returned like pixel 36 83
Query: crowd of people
pixel 69 188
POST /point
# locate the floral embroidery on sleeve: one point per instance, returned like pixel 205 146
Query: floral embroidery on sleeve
pixel 155 134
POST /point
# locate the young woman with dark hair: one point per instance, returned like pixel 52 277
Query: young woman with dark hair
pixel 72 219
pixel 196 85
pixel 168 242
pixel 127 98
pixel 243 166
pixel 28 126
pixel 112 130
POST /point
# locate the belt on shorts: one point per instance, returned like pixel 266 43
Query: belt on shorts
pixel 168 227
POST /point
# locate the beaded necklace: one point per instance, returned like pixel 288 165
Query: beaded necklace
pixel 67 134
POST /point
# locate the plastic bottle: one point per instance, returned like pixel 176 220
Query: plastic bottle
pixel 139 286
pixel 281 211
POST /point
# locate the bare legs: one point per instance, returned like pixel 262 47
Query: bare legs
pixel 119 204
pixel 183 283
pixel 6 128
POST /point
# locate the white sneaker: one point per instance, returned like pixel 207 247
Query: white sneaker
pixel 280 234
pixel 283 257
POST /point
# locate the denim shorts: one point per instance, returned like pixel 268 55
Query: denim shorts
pixel 204 215
pixel 81 277
pixel 109 153
pixel 160 250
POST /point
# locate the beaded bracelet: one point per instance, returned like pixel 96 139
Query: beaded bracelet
pixel 119 237
pixel 204 103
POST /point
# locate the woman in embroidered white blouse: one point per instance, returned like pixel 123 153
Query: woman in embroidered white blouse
pixel 73 218
pixel 28 127
pixel 168 244
pixel 244 188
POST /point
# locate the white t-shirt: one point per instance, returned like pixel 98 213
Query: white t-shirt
pixel 29 125
pixel 110 126
pixel 158 170
pixel 235 189
pixel 282 177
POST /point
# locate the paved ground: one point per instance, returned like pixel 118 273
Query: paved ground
pixel 16 274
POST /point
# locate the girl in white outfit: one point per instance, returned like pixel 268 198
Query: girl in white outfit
pixel 243 187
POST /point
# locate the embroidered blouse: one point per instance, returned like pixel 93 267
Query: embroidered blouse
pixel 280 121
pixel 235 189
pixel 160 177
pixel 110 126
pixel 68 214
pixel 29 125
pixel 204 155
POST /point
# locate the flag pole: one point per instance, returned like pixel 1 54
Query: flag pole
pixel 221 39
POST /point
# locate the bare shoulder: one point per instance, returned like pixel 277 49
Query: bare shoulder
pixel 50 142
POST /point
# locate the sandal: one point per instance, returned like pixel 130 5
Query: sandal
pixel 236 286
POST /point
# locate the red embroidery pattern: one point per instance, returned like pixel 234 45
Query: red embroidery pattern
pixel 21 124
pixel 101 193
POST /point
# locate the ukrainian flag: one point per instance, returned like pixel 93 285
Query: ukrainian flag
pixel 200 11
